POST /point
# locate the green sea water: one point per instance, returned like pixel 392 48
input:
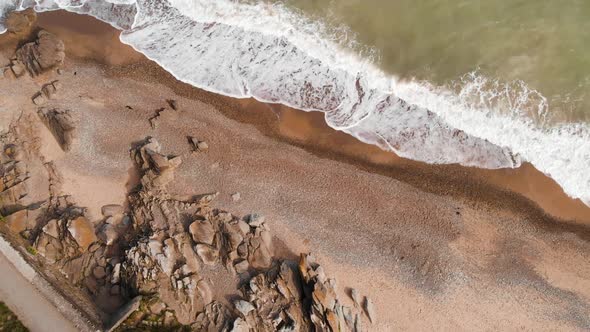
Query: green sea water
pixel 541 45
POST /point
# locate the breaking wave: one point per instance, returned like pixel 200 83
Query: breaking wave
pixel 275 55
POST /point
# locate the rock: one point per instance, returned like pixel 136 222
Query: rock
pixel 20 22
pixel 240 325
pixel 108 234
pixel 99 272
pixel 169 318
pixel 244 307
pixel 157 308
pixel 116 274
pixel 51 229
pixel 45 53
pixel 355 297
pixel 259 256
pixel 203 146
pixel 242 266
pixel 172 103
pixel 244 227
pixel 236 197
pixel 111 210
pixel 39 99
pixel 207 253
pixel 370 310
pixel 18 69
pixel 8 73
pixel 202 231
pixel 17 221
pixel 61 125
pixel 82 232
pixel 50 90
pixel 255 220
pixel 198 145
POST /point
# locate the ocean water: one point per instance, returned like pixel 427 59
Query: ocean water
pixel 488 84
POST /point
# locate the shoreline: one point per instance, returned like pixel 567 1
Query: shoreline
pixel 432 246
pixel 309 131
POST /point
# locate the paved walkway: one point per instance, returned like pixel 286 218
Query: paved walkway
pixel 31 307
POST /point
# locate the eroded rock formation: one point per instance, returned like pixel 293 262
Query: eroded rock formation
pixel 45 53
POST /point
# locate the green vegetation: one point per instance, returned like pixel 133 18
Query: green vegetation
pixel 2 218
pixel 32 250
pixel 9 321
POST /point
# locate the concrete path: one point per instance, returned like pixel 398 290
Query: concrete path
pixel 31 307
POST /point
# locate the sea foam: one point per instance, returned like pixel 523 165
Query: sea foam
pixel 275 55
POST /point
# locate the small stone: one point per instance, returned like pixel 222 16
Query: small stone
pixel 202 231
pixel 242 266
pixel 111 210
pixel 157 308
pixel 39 99
pixel 8 73
pixel 99 272
pixel 355 297
pixel 172 104
pixel 236 197
pixel 244 307
pixel 202 146
pixel 51 229
pixel 244 228
pixel 207 253
pixel 18 69
pixel 370 310
pixel 49 90
pixel 255 220
pixel 240 325
pixel 108 233
pixel 197 145
pixel 116 274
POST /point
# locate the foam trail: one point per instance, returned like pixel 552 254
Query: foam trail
pixel 271 54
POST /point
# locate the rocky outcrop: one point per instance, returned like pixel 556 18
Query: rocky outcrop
pixel 61 125
pixel 294 299
pixel 45 53
pixel 184 236
pixel 185 257
pixel 20 23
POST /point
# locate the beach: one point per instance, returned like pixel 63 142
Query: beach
pixel 434 246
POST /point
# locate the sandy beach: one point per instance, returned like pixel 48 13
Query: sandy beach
pixel 435 247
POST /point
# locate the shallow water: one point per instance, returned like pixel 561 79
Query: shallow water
pixel 546 44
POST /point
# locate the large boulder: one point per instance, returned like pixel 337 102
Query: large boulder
pixel 82 232
pixel 61 125
pixel 21 22
pixel 45 53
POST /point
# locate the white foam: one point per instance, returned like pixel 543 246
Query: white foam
pixel 275 55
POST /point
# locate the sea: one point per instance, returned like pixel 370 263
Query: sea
pixel 481 83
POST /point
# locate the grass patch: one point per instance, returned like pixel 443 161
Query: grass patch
pixel 32 250
pixel 9 321
pixel 2 218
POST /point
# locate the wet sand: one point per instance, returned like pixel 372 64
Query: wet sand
pixel 435 247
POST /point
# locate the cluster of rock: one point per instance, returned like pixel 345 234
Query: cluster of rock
pixel 61 125
pixel 48 92
pixel 13 176
pixel 185 238
pixel 45 53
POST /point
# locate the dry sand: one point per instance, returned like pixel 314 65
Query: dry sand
pixel 435 247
